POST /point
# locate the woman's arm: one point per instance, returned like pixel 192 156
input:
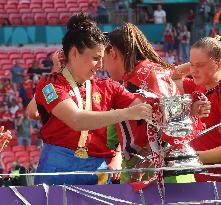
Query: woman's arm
pixel 68 112
pixel 210 156
pixel 32 110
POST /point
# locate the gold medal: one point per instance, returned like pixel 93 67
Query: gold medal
pixel 81 152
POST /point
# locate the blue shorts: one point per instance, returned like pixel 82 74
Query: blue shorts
pixel 60 159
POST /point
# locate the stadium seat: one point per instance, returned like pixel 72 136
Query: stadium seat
pixel 10 6
pixel 35 5
pixel 19 154
pixel 59 2
pixel 23 5
pixel 27 19
pixel 36 1
pixel 63 17
pixel 47 5
pixel 3 16
pixel 59 5
pixel 40 19
pixel 50 10
pixel 25 10
pixel 13 51
pixel 71 1
pixel 39 50
pixel 26 50
pixel 26 56
pixel 7 160
pixel 34 153
pixel 18 148
pixel 13 2
pixel 62 10
pixel 52 49
pixel 31 148
pixel 15 19
pixel 36 10
pixel 73 8
pixel 6 154
pixel 53 18
pixel 14 56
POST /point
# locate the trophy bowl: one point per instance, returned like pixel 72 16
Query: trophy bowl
pixel 177 126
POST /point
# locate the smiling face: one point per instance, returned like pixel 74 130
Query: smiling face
pixel 204 69
pixel 85 64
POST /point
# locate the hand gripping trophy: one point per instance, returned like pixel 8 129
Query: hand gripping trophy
pixel 176 127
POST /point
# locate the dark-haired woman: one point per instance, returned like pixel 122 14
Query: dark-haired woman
pixel 70 103
pixel 132 59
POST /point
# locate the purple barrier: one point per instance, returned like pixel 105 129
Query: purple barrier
pixel 109 194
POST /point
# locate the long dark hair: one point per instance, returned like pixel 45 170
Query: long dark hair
pixel 134 46
pixel 82 32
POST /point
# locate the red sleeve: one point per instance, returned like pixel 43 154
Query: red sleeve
pixel 122 98
pixel 51 92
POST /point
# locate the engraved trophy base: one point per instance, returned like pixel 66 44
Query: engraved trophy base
pixel 180 159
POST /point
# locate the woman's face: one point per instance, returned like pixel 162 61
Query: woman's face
pixel 203 68
pixel 88 62
pixel 114 64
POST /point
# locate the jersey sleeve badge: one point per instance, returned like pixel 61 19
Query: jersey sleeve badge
pixel 49 93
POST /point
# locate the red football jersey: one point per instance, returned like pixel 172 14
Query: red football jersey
pixel 157 81
pixel 213 138
pixel 106 94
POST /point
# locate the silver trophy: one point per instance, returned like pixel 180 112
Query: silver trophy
pixel 177 126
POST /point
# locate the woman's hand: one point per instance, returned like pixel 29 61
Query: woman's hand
pixel 201 108
pixel 116 164
pixel 141 111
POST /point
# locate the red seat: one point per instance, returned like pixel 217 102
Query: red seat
pixel 37 10
pixel 59 1
pixel 39 50
pixel 14 56
pixel 27 19
pixel 7 160
pixel 25 10
pixel 10 6
pixel 27 56
pixel 32 148
pixel 6 154
pixel 53 18
pixel 47 5
pixel 63 17
pixel 26 50
pixel 73 8
pixel 50 10
pixel 36 1
pixel 18 148
pixel 35 5
pixel 15 19
pixel 3 16
pixel 36 159
pixel 62 10
pixel 13 50
pixel 34 153
pixel 71 1
pixel 40 19
pixel 41 56
pixel 20 154
pixel 23 159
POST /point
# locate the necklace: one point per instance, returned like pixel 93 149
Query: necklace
pixel 81 149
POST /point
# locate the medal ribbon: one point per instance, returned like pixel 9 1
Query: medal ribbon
pixel 88 106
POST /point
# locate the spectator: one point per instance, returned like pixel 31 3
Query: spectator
pixel 171 58
pixel 159 15
pixel 17 72
pixel 35 71
pixel 47 63
pixel 28 86
pixel 190 19
pixel 14 108
pixel 168 39
pixel 184 44
pixel 102 13
pixel 6 119
pixel 24 129
pixel 214 30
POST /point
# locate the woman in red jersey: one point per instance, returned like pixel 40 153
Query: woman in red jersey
pixel 205 68
pixel 75 108
pixel 132 59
